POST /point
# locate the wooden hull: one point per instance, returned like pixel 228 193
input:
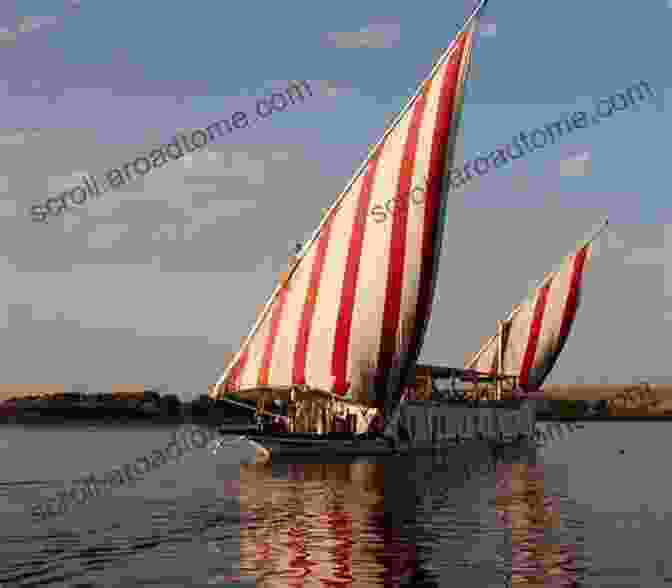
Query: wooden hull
pixel 283 447
pixel 313 444
pixel 427 426
pixel 291 444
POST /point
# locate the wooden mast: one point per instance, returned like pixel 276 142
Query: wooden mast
pixel 500 349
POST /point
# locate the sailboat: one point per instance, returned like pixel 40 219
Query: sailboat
pixel 529 340
pixel 340 336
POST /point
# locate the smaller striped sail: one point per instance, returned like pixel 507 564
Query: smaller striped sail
pixel 535 332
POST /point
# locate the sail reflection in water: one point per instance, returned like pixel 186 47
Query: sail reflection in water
pixel 320 525
pixel 523 508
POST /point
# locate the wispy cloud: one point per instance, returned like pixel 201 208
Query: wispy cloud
pixel 7 37
pixel 70 221
pixel 334 88
pixel 520 183
pixel 106 235
pixel 576 166
pixel 17 136
pixel 376 36
pixel 646 256
pixel 170 230
pixel 487 28
pixel 613 242
pixel 28 24
pixel 8 207
pixel 57 184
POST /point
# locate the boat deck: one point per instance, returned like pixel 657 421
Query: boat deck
pixel 422 426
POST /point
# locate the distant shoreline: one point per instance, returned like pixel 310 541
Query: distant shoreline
pixel 236 422
pixel 137 409
pixel 27 419
pixel 604 419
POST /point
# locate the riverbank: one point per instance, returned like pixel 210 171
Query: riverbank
pixel 141 408
pixel 124 420
pixel 604 419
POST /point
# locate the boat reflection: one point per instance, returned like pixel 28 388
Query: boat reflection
pixel 367 522
pixel 387 521
pixel 523 508
pixel 321 525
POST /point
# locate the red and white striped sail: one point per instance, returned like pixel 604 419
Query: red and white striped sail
pixel 534 336
pixel 354 309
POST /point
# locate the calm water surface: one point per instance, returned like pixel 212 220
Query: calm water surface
pixel 576 512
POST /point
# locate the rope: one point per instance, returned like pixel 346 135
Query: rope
pixel 217 444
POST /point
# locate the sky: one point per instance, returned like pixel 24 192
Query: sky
pixel 156 282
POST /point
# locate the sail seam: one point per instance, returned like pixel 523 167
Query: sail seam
pixel 308 312
pixel 395 274
pixel 348 296
pixel 535 330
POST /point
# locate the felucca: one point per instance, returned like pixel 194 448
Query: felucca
pixel 341 334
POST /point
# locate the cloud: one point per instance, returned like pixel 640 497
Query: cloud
pixel 70 221
pixel 105 235
pixel 7 207
pixel 647 256
pixel 58 184
pixel 577 166
pixel 487 29
pixel 239 189
pixel 211 163
pixel 613 242
pixel 29 24
pixel 280 156
pixel 211 238
pixel 17 136
pixel 244 166
pixel 7 37
pixel 13 139
pixel 217 208
pixel 520 183
pixel 376 36
pixel 333 88
pixel 165 229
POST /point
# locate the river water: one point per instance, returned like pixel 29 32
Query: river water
pixel 587 509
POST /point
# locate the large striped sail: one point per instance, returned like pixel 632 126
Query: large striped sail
pixel 352 313
pixel 535 333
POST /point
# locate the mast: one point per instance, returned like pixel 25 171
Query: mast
pixel 500 355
